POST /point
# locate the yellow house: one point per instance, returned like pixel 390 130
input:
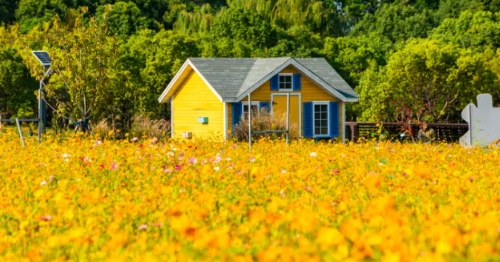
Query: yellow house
pixel 209 95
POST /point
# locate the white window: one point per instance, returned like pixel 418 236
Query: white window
pixel 255 105
pixel 321 119
pixel 285 82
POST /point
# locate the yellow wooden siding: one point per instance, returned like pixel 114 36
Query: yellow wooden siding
pixel 229 119
pixel 194 99
pixel 310 92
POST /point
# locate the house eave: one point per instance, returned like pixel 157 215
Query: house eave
pixel 174 83
pixel 329 89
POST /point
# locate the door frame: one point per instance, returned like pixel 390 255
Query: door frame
pixel 299 105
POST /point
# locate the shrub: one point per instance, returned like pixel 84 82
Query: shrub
pixel 261 122
pixel 102 129
pixel 143 127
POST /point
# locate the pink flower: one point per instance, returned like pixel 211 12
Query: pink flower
pixel 192 160
pixel 134 139
pixel 178 167
pixel 167 170
pixel 46 218
pixel 154 139
pixel 143 227
pixel 335 171
pixel 114 166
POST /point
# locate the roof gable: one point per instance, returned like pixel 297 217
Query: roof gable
pixel 233 78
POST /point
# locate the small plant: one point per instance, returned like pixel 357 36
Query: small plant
pixel 143 127
pixel 102 129
pixel 261 122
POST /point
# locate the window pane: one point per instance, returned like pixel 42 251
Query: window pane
pixel 321 119
pixel 285 82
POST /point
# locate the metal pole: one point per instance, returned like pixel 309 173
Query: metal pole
pixel 287 117
pixel 39 130
pixel 20 132
pixel 249 122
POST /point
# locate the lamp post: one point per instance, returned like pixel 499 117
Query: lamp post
pixel 44 58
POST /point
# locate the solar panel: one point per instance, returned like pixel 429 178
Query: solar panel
pixel 43 57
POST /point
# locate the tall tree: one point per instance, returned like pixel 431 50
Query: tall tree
pixel 31 13
pixel 82 61
pixel 124 19
pixel 7 10
pixel 433 78
pixel 17 87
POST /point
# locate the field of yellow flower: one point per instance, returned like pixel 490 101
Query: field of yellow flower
pixel 83 199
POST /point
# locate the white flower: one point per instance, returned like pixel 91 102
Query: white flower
pixel 216 168
pixel 313 154
pixel 170 154
pixel 217 159
pixel 283 171
pixel 43 183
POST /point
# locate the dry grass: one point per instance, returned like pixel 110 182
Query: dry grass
pixel 102 129
pixel 143 127
pixel 261 122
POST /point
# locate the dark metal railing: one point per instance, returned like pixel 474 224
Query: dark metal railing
pixel 368 130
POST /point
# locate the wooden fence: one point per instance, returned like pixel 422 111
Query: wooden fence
pixel 368 130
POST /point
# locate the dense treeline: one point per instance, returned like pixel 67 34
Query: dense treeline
pixel 418 59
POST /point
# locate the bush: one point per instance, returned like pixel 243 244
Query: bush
pixel 143 127
pixel 102 129
pixel 261 122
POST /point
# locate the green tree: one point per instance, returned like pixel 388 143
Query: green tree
pixel 31 13
pixel 82 61
pixel 17 87
pixel 7 10
pixel 124 19
pixel 152 59
pixel 476 30
pixel 351 56
pixel 429 77
pixel 397 22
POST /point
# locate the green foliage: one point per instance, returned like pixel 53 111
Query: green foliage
pixel 7 10
pixel 115 58
pixel 124 19
pixel 432 78
pixel 396 22
pixel 477 30
pixel 17 88
pixel 152 59
pixel 31 13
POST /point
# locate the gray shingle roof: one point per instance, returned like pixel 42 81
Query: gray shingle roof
pixel 321 68
pixel 232 77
